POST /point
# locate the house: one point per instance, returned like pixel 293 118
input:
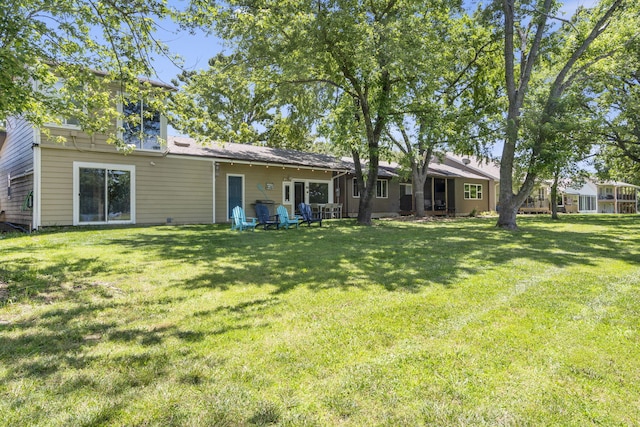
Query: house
pixel 247 174
pixel 587 197
pixel 617 197
pixel 162 180
pixel 86 181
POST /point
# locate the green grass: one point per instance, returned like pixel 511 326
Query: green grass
pixel 440 323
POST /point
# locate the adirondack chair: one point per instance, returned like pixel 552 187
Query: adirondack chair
pixel 284 219
pixel 240 221
pixel 264 219
pixel 307 215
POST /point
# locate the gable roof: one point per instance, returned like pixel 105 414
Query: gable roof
pixel 252 154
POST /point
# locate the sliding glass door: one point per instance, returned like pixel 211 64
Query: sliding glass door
pixel 104 193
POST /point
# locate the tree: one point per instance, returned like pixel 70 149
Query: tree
pixel 230 102
pixel 614 88
pixel 356 58
pixel 451 105
pixel 569 137
pixel 45 42
pixel 529 37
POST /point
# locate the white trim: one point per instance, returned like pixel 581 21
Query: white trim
pixel 386 188
pixel 226 184
pixel 290 186
pixel 306 182
pixel 213 189
pixel 259 163
pixel 36 213
pixel 107 166
pixel 57 86
pixel 163 126
pixel 464 191
pixel 354 180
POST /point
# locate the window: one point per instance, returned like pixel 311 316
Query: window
pixel 382 189
pixel 103 193
pixel 406 189
pixel 542 194
pixel 356 190
pixel 142 126
pixel 65 122
pixel 587 203
pixel 318 192
pixel 473 191
pixel 286 192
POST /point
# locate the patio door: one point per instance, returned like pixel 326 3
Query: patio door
pixel 103 193
pixel 315 192
pixel 235 192
pixel 299 194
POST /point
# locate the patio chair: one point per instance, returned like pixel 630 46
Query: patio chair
pixel 240 222
pixel 284 219
pixel 308 216
pixel 264 219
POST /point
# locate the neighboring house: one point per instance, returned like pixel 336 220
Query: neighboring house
pixel 588 197
pixel 617 197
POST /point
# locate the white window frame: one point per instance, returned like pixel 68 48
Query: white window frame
pixel 467 191
pixel 408 189
pixel 288 185
pixel 107 166
pixel 593 203
pixel 355 191
pixel 382 189
pixel 307 183
pixel 163 127
pixel 542 193
pixel 63 120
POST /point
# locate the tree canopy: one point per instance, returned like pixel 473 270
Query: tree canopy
pixel 351 67
pixel 63 57
pixel 229 101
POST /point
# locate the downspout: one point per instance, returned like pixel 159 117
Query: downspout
pixel 37 181
pixel 343 192
pixel 341 174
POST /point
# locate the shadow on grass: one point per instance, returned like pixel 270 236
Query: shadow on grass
pixel 395 255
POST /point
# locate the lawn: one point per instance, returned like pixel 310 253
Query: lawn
pixel 402 323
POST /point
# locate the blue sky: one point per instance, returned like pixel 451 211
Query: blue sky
pixel 196 49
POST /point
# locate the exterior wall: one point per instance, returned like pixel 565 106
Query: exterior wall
pixel 261 181
pixel 389 206
pixel 16 160
pixel 178 189
pixel 465 207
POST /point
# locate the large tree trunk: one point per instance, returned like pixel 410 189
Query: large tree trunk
pixel 365 206
pixel 507 217
pixel 554 195
pixel 419 200
pixel 419 177
pixel 367 188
